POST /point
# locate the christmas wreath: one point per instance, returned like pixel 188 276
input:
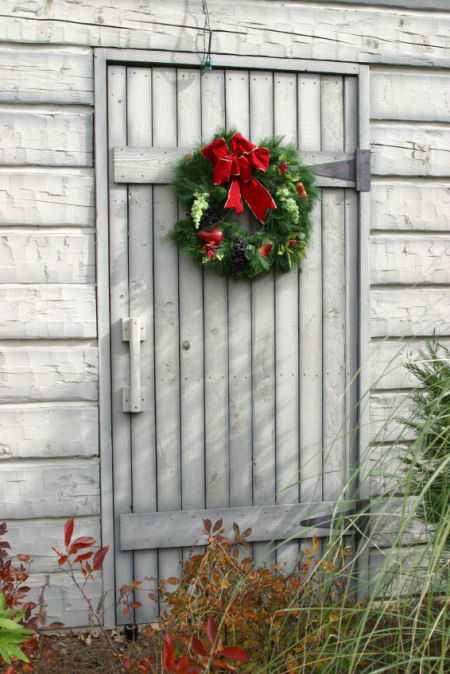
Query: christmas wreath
pixel 278 190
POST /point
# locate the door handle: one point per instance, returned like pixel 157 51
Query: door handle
pixel 133 396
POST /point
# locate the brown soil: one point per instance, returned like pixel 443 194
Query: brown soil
pixel 83 652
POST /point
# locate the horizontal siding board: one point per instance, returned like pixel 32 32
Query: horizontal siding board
pixel 410 95
pixel 393 521
pixel 399 569
pixel 410 312
pixel 28 256
pixel 410 150
pixel 400 260
pixel 35 490
pixel 410 205
pixel 353 34
pixel 387 363
pixel 47 312
pixel 59 198
pixel 45 74
pixel 184 528
pixel 38 538
pixel 63 600
pixel 384 412
pixel 37 374
pixel 51 138
pixel 37 432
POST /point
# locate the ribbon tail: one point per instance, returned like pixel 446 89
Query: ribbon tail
pixel 257 198
pixel 234 197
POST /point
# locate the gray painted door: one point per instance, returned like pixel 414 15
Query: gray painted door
pixel 245 384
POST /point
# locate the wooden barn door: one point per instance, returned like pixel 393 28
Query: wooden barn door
pixel 243 386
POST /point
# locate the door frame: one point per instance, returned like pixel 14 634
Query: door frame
pixel 114 56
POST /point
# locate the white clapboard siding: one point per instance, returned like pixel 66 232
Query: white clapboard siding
pixel 353 34
pixel 48 431
pixel 398 570
pixel 410 95
pixel 50 489
pixel 45 74
pixel 387 363
pixel 410 150
pixel 37 538
pixel 410 312
pixel 47 311
pixel 37 374
pixel 36 256
pixel 410 205
pixel 384 412
pixel 388 477
pixel 46 137
pixel 63 600
pixel 400 260
pixel 393 522
pixel 61 197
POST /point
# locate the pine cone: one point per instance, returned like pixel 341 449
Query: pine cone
pixel 210 217
pixel 237 258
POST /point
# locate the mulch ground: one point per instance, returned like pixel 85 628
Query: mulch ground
pixel 83 652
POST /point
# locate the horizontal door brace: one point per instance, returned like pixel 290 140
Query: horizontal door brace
pixel 155 165
pixel 173 529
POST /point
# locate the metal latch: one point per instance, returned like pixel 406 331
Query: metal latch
pixel 133 396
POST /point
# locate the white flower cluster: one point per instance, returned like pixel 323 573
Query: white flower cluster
pixel 288 203
pixel 199 206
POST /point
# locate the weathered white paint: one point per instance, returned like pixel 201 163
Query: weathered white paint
pixel 410 312
pixel 410 149
pixel 398 569
pixel 45 137
pixel 64 601
pixel 47 311
pixel 410 94
pixel 50 489
pixel 37 374
pixel 385 410
pixel 36 256
pixel 37 538
pixel 393 521
pixel 44 74
pixel 29 431
pixel 354 34
pixel 412 205
pixel 387 363
pixel 409 260
pixel 61 197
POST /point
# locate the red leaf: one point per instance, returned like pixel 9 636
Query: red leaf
pixel 234 653
pixel 168 653
pixel 99 557
pixel 68 531
pixel 152 596
pixel 217 526
pixel 3 528
pixel 62 560
pixel 135 604
pixel 10 670
pixel 211 631
pixel 81 558
pixel 207 525
pixel 182 664
pixel 82 542
pixel 225 665
pixel 23 558
pixel 172 580
pixel 125 610
pixel 199 647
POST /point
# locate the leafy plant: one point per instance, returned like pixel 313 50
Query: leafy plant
pixel 12 633
pixel 429 458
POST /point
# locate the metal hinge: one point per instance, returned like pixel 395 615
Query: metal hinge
pixel 356 170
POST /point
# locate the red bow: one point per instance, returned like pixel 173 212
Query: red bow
pixel 237 167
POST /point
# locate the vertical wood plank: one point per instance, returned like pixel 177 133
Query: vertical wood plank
pixel 165 271
pixel 334 297
pixel 287 340
pixel 311 311
pixel 263 336
pixel 191 321
pixel 239 327
pixel 217 447
pixel 140 242
pixel 118 220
